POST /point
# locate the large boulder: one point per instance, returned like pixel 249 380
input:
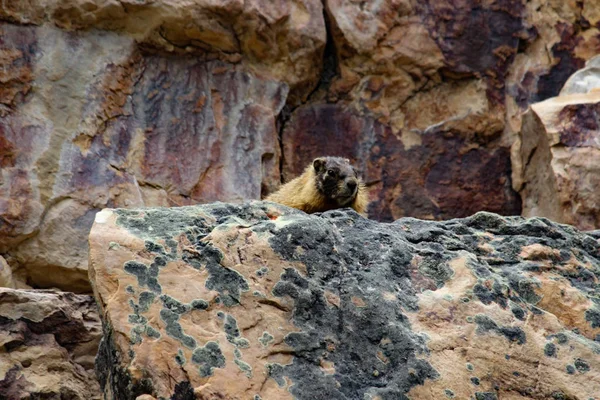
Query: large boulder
pixel 48 342
pixel 555 160
pixel 261 301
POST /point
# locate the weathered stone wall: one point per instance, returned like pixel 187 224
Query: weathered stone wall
pixel 108 103
pixel 261 301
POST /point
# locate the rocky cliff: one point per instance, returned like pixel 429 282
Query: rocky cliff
pixel 109 103
pixel 447 107
pixel 266 302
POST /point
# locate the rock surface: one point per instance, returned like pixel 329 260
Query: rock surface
pixel 48 341
pixel 422 174
pixel 555 160
pixel 265 302
pixel 585 80
pixel 282 38
pixel 108 103
pixel 105 126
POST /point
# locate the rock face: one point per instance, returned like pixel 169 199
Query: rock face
pixel 47 344
pixel 165 103
pixel 428 96
pixel 555 160
pixel 419 174
pixel 265 302
pixel 123 130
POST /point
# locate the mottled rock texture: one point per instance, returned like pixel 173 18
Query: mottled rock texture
pixel 48 341
pixel 556 159
pixel 106 126
pixel 265 302
pixel 429 95
pixel 122 103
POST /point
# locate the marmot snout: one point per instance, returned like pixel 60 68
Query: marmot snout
pixel 326 184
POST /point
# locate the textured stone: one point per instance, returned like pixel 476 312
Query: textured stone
pixel 555 160
pixel 111 127
pixel 283 39
pixel 6 278
pixel 107 103
pixel 418 174
pixel 585 80
pixel 261 301
pixel 48 341
pixel 449 81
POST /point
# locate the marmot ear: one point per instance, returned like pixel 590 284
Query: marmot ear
pixel 319 164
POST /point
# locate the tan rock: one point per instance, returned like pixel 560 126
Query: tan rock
pixel 6 278
pixel 108 126
pixel 282 39
pixel 48 343
pixel 261 301
pixel 555 160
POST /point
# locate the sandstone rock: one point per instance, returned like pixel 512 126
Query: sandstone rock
pixel 126 103
pixel 448 82
pixel 555 160
pixel 6 279
pixel 261 301
pixel 283 39
pixel 109 126
pixel 48 341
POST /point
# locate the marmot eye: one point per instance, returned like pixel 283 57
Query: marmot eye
pixel 331 172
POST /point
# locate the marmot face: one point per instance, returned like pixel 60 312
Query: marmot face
pixel 336 179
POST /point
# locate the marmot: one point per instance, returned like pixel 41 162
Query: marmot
pixel 326 184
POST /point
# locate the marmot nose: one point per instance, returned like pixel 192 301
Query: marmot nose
pixel 351 185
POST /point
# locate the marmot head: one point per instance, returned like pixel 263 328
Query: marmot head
pixel 336 179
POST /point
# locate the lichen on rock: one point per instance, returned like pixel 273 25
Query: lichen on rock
pixel 343 306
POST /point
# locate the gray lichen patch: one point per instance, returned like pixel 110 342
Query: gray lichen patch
pixel 152 333
pixel 199 304
pixel 145 300
pixel 228 282
pixel 265 339
pixel 581 365
pixel 232 333
pixel 146 276
pixel 208 358
pixel 485 396
pixel 174 305
pixel 550 350
pixel 174 328
pixel 593 317
pixel 262 272
pixel 180 358
pixel 244 367
pixel 486 324
pixel 275 372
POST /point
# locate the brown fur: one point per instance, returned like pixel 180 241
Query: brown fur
pixel 304 194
